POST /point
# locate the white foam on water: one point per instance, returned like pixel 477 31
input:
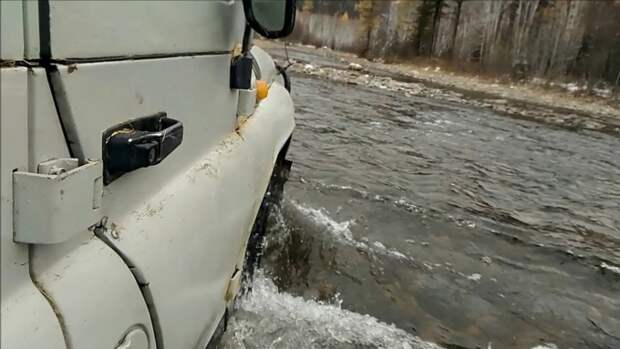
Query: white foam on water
pixel 406 204
pixel 343 234
pixel 474 277
pixel 546 346
pixel 322 184
pixel 267 318
pixel 379 247
pixel 340 230
pixel 610 267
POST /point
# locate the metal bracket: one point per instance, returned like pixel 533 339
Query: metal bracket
pixel 247 103
pixel 57 166
pixel 58 203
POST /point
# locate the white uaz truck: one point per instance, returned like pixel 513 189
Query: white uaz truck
pixel 142 144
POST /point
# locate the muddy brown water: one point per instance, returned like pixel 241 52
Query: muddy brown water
pixel 408 221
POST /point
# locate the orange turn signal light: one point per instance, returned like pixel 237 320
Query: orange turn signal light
pixel 262 90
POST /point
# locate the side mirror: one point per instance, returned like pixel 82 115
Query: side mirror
pixel 270 18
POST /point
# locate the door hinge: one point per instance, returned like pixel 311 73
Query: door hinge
pixel 60 201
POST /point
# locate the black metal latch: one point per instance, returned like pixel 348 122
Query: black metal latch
pixel 138 143
pixel 241 72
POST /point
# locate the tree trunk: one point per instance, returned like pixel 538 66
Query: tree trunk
pixel 436 19
pixel 457 18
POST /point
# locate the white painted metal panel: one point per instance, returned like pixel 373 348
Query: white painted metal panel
pixel 11 30
pixel 193 90
pixel 187 234
pixel 182 223
pixel 93 290
pixel 45 138
pixel 88 29
pixel 27 319
pixel 86 284
pixel 31 28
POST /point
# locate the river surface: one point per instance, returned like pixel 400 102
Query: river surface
pixel 409 221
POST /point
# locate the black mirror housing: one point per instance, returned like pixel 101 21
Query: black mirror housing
pixel 270 18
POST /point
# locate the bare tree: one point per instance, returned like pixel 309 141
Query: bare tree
pixel 550 38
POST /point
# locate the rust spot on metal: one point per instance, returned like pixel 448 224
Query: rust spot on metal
pixel 236 51
pixel 152 211
pixel 115 231
pixel 8 64
pixel 241 120
pixel 208 168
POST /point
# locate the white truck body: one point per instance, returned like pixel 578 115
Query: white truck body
pixel 154 270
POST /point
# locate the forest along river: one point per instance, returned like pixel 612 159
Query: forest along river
pixel 408 221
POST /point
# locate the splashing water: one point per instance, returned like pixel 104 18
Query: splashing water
pixel 267 318
pixel 342 232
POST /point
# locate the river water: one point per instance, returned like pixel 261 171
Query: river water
pixel 409 221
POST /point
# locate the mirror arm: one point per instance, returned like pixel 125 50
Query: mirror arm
pixel 247 35
pixel 241 65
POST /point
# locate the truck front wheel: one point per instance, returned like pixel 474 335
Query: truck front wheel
pixel 270 202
